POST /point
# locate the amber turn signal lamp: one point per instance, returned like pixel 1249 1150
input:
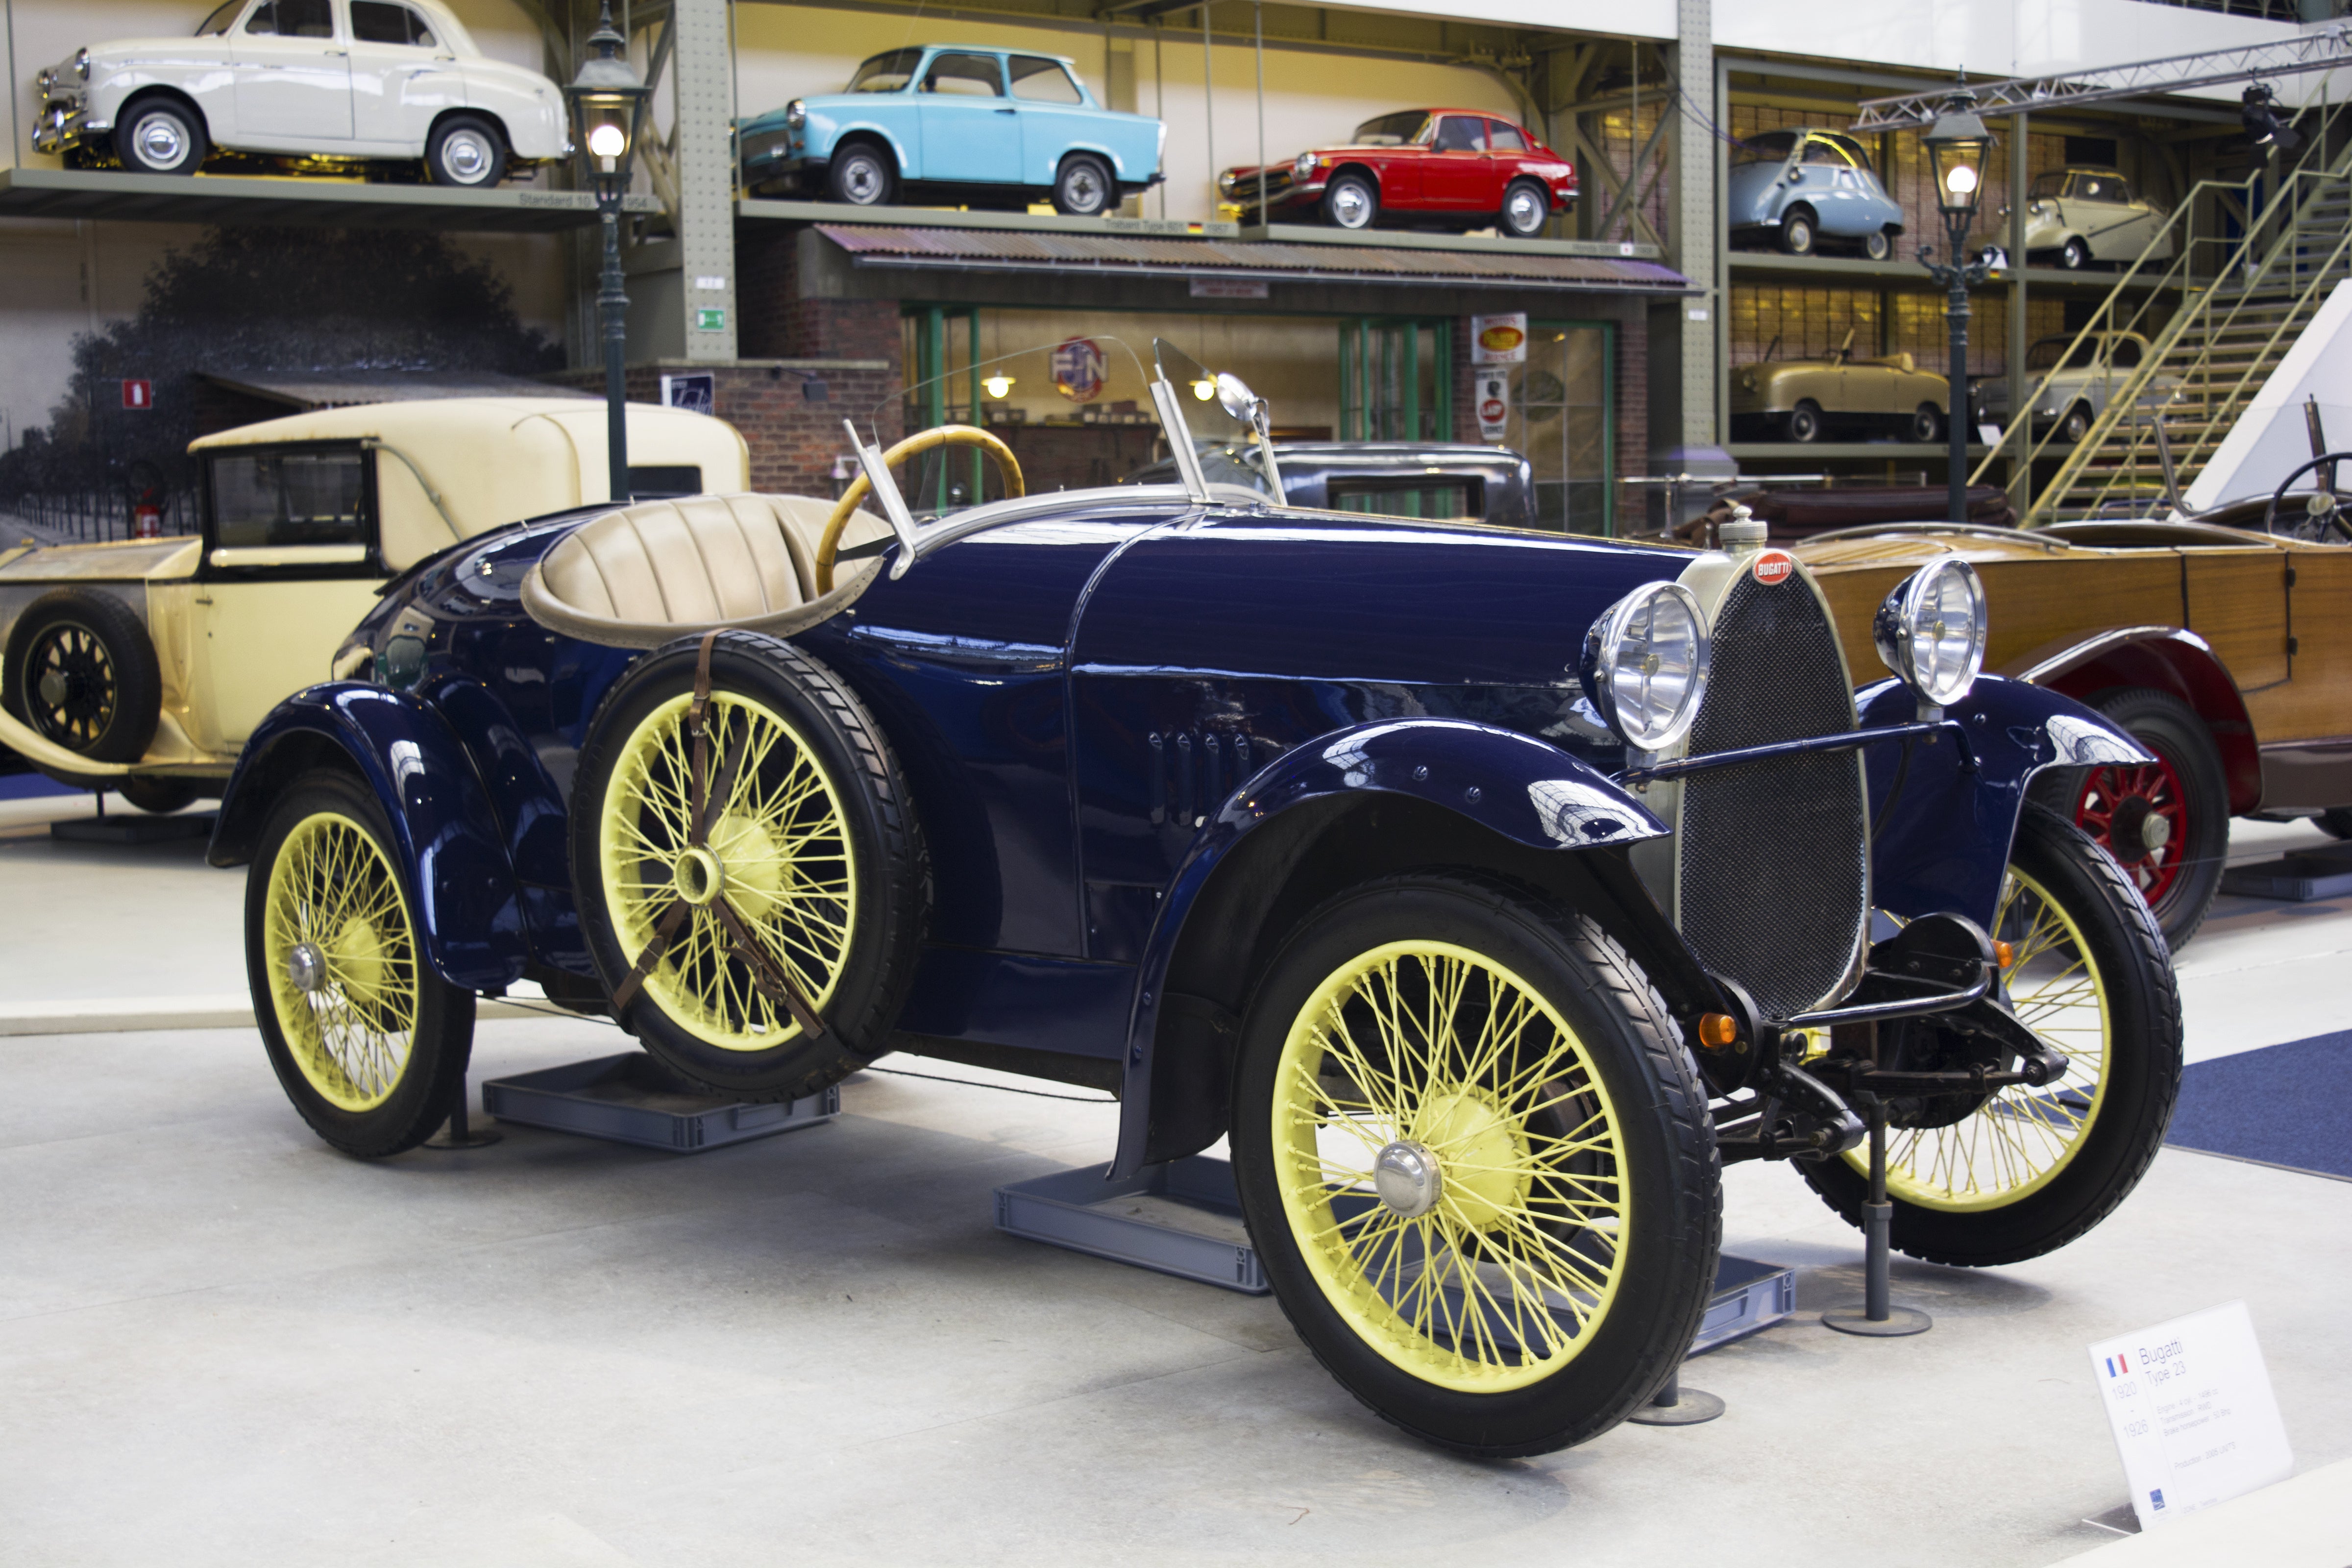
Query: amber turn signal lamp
pixel 2003 954
pixel 1717 1031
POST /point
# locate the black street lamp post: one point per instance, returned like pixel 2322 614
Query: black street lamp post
pixel 608 107
pixel 1958 143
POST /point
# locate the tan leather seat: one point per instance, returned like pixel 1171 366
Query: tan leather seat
pixel 646 573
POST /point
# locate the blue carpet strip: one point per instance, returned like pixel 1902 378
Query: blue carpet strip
pixel 2287 1105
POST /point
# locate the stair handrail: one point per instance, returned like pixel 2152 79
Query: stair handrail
pixel 2195 300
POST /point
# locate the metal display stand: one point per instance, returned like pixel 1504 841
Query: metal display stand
pixel 1184 1218
pixel 632 1099
pixel 141 828
pixel 1876 1317
pixel 2323 872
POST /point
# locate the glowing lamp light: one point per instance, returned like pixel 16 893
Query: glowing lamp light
pixel 1204 388
pixel 607 140
pixel 997 385
pixel 1962 179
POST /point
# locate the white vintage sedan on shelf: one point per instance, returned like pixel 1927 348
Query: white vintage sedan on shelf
pixel 328 83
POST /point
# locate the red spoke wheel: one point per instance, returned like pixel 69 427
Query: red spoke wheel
pixel 2167 823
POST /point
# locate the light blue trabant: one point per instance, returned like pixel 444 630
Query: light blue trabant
pixel 956 122
pixel 1803 186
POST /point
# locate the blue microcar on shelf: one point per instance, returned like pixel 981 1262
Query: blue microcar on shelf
pixel 1486 888
pixel 1798 189
pixel 966 123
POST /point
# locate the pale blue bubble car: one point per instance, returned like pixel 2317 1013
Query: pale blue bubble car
pixel 966 123
pixel 1801 187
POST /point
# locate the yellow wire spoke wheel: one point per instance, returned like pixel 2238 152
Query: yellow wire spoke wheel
pixel 779 855
pixel 2019 1141
pixel 339 948
pixel 1448 1161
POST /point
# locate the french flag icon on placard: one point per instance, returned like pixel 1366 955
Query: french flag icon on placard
pixel 2115 1366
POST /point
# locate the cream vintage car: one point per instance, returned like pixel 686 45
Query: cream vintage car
pixel 2077 217
pixel 336 82
pixel 1805 399
pixel 144 665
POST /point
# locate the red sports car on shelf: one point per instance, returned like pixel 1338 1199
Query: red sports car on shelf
pixel 1461 167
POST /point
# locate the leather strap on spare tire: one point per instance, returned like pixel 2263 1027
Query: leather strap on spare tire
pixel 750 880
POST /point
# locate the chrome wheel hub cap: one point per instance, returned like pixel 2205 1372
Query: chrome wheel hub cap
pixel 158 140
pixel 863 182
pixel 1406 1176
pixel 1525 215
pixel 466 156
pixel 1348 207
pixel 306 966
pixel 700 876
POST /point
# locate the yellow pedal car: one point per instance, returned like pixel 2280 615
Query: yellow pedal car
pixel 143 666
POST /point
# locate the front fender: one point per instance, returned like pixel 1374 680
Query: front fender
pixel 447 838
pixel 2166 659
pixel 1511 784
pixel 1941 825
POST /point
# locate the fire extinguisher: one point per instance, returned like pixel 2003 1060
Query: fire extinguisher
pixel 146 502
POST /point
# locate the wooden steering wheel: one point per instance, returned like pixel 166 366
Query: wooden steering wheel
pixel 1007 466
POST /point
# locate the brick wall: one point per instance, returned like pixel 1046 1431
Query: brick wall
pixel 1629 420
pixel 774 320
pixel 793 440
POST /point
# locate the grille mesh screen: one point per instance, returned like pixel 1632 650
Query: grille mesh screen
pixel 1774 855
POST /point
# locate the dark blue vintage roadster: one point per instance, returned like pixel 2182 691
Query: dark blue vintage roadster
pixel 1488 889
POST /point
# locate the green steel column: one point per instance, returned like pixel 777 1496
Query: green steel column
pixel 2019 437
pixel 972 361
pixel 935 384
pixel 1441 344
pixel 1411 390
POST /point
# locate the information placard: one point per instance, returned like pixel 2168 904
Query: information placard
pixel 2191 1405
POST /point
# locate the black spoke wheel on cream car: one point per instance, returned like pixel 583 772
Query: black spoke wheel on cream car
pixel 1083 187
pixel 368 1042
pixel 1476 1162
pixel 1927 423
pixel 2076 424
pixel 1351 200
pixel 2012 1174
pixel 83 674
pixel 157 793
pixel 1525 207
pixel 2075 255
pixel 1804 421
pixel 1797 234
pixel 736 890
pixel 161 136
pixel 862 176
pixel 468 151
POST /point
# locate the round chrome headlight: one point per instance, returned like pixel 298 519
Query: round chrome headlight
pixel 1305 166
pixel 1931 630
pixel 81 64
pixel 1646 663
pixel 796 114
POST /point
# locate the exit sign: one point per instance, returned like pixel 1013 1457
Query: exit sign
pixel 138 395
pixel 710 319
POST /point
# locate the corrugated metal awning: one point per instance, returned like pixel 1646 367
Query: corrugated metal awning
pixel 1123 256
pixel 307 390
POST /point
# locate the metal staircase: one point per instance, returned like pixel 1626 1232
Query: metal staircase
pixel 2249 262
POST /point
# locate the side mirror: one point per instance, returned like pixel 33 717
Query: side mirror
pixel 1235 398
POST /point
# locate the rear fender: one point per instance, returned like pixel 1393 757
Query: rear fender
pixel 445 837
pixel 2166 659
pixel 1452 791
pixel 1941 821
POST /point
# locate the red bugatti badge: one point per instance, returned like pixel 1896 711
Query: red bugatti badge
pixel 1773 567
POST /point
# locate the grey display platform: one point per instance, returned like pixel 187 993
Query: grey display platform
pixel 1184 1218
pixel 2325 872
pixel 132 827
pixel 632 1099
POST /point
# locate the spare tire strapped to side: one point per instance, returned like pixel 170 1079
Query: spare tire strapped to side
pixel 82 673
pixel 753 885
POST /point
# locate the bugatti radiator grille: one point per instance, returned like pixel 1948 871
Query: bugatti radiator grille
pixel 1773 880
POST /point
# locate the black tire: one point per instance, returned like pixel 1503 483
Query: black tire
pixel 1351 200
pixel 1926 424
pixel 857 985
pixel 1525 206
pixel 1083 186
pixel 862 175
pixel 2187 791
pixel 1804 421
pixel 2075 255
pixel 159 135
pixel 1664 1156
pixel 156 794
pixel 467 151
pixel 83 674
pixel 1799 233
pixel 2141 1081
pixel 1878 245
pixel 2076 424
pixel 361 1014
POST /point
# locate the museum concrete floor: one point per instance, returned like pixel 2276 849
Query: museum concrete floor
pixel 225 1343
